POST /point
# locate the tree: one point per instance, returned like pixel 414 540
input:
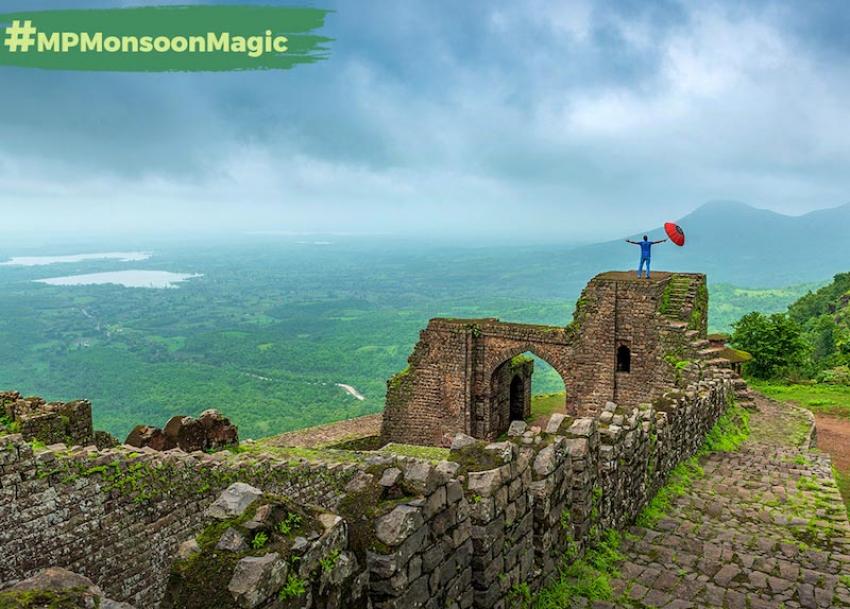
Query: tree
pixel 775 342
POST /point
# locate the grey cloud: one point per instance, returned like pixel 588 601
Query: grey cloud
pixel 563 119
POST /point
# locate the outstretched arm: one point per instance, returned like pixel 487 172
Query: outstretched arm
pixel 657 242
pixel 632 242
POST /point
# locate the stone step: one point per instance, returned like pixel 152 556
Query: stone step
pixel 708 352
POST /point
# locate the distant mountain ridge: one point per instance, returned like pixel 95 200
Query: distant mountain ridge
pixel 736 243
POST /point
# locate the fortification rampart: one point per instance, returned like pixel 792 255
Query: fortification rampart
pixel 459 533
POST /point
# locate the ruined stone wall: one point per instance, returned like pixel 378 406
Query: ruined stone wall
pixel 118 515
pixel 543 492
pixel 431 394
pixel 48 422
pixel 494 420
pixel 638 326
pixel 479 530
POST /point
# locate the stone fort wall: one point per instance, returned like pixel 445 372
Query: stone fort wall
pixel 452 382
pixel 458 533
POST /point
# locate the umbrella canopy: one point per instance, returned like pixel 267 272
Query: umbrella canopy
pixel 675 232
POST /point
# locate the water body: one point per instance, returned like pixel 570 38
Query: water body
pixel 43 260
pixel 128 279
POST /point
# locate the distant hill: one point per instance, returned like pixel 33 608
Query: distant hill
pixel 740 244
pixel 735 243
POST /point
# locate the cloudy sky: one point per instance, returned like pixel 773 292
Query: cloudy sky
pixel 563 120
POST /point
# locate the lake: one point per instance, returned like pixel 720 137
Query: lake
pixel 43 260
pixel 128 279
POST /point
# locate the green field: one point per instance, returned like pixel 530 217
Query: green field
pixel 545 405
pixel 833 400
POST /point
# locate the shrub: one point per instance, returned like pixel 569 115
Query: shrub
pixel 840 375
pixel 775 342
pixel 289 524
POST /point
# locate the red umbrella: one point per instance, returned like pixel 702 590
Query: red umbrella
pixel 675 232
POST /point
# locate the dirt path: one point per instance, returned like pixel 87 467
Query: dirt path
pixel 834 438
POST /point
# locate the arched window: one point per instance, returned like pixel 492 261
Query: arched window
pixel 624 359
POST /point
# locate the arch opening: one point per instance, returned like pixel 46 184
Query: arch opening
pixel 513 396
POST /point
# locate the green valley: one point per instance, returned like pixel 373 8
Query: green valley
pixel 273 325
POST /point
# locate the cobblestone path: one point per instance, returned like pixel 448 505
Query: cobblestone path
pixel 764 528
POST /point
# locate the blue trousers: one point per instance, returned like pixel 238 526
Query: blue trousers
pixel 643 260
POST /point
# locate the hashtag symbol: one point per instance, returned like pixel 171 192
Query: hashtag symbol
pixel 20 37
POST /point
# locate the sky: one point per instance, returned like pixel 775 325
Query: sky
pixel 567 121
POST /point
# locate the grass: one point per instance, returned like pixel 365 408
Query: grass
pixel 586 577
pixel 680 480
pixel 842 478
pixel 294 453
pixel 833 400
pixel 430 453
pixel 545 405
pixel 730 431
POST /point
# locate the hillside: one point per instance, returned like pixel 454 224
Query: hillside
pixel 825 318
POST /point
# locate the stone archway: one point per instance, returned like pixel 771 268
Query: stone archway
pixel 505 394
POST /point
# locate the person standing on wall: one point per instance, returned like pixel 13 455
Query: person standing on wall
pixel 645 253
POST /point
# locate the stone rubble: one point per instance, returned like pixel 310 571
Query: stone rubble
pixel 209 432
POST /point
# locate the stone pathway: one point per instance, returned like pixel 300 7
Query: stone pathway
pixel 764 528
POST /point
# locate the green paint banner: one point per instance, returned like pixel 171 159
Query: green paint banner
pixel 164 38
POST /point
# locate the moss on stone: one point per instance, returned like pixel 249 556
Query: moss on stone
pixel 361 508
pixel 71 598
pixel 429 453
pixel 200 581
pixel 395 382
pixel 474 458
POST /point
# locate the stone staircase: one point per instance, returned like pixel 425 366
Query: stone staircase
pixel 680 296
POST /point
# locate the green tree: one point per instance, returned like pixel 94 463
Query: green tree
pixel 775 342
